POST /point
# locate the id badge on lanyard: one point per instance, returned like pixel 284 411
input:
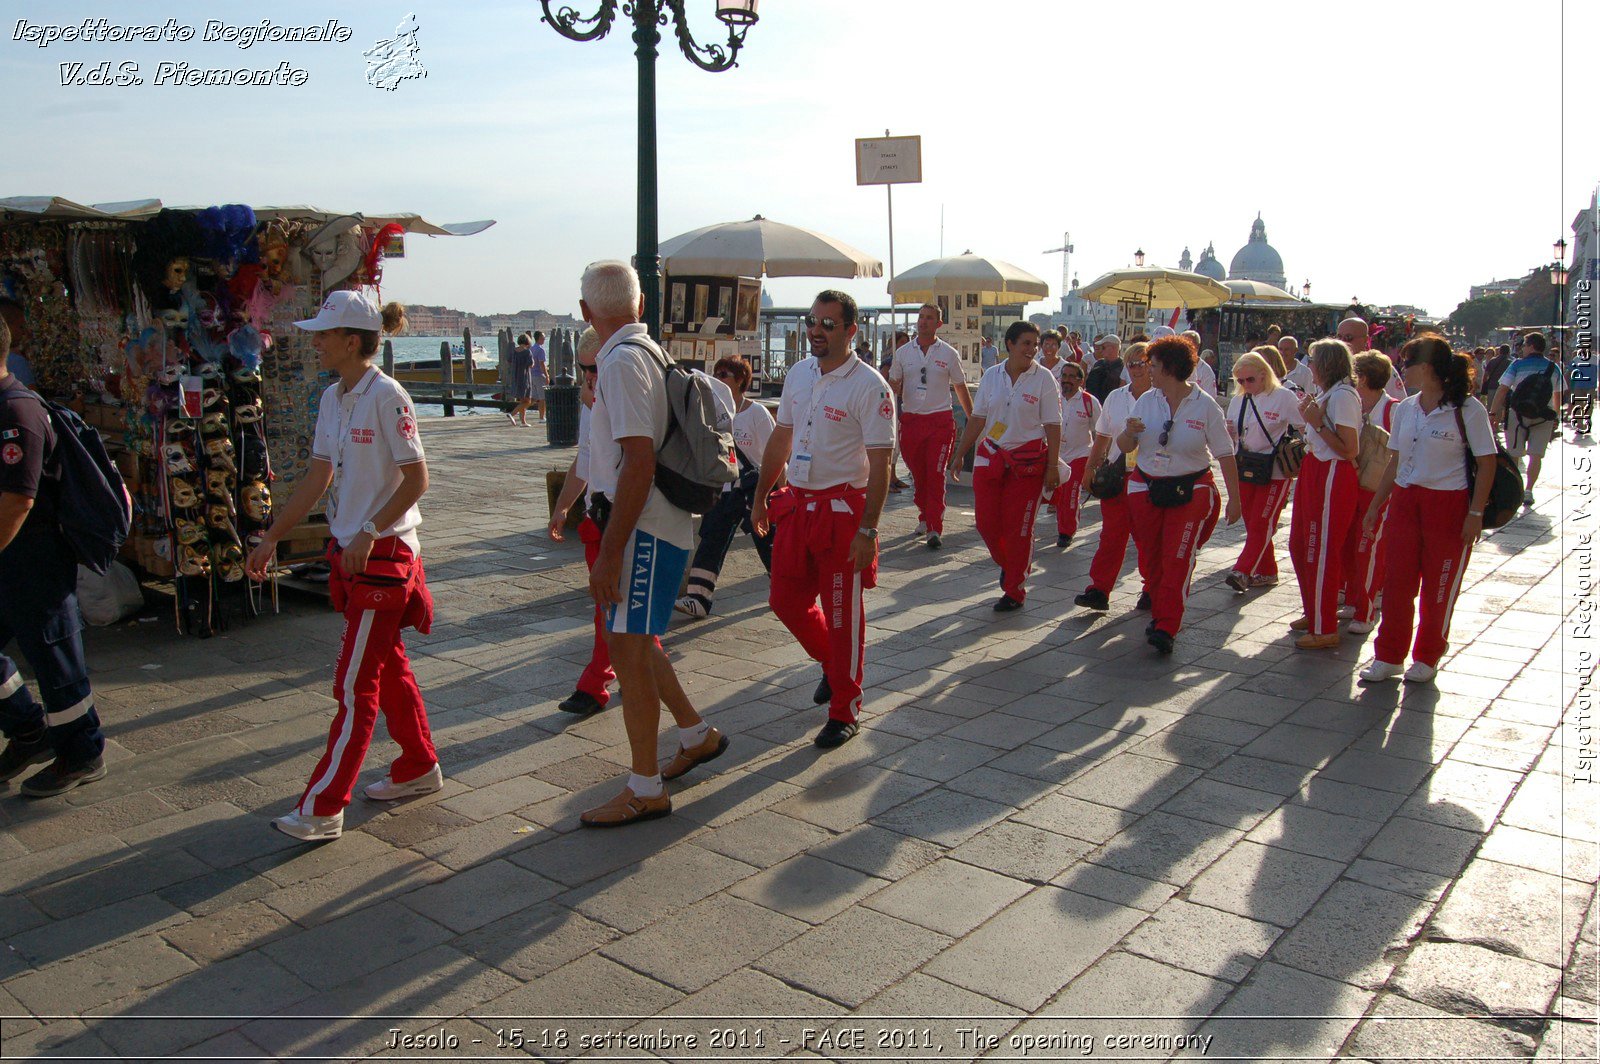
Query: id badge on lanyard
pixel 800 461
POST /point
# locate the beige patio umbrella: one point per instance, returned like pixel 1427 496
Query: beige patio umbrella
pixel 1247 291
pixel 762 246
pixel 998 283
pixel 1155 286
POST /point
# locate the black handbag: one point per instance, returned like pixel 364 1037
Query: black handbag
pixel 1110 479
pixel 1171 492
pixel 1505 495
pixel 1255 467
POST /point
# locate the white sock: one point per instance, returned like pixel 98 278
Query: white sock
pixel 694 736
pixel 645 786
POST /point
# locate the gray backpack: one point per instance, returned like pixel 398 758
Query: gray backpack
pixel 697 457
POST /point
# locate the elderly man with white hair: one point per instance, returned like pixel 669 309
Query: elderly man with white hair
pixel 1205 375
pixel 644 539
pixel 1297 371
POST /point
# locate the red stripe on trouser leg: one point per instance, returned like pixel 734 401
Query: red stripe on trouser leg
pixel 1069 497
pixel 1005 504
pixel 597 675
pixel 925 443
pixel 1169 539
pixel 1109 553
pixel 1363 560
pixel 1323 503
pixel 811 561
pixel 1424 562
pixel 1261 506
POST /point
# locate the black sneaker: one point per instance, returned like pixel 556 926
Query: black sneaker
pixel 56 778
pixel 581 702
pixel 1005 604
pixel 1093 599
pixel 934 542
pixel 19 754
pixel 1160 640
pixel 1144 601
pixel 823 693
pixel 836 733
pixel 1063 541
pixel 1238 581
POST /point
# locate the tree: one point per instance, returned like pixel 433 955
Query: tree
pixel 1534 302
pixel 1478 318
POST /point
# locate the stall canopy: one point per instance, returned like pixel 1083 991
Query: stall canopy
pixel 1155 286
pixel 760 247
pixel 998 283
pixel 1245 290
pixel 38 208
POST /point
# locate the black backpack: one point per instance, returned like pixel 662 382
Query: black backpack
pixel 1105 377
pixel 95 511
pixel 1531 397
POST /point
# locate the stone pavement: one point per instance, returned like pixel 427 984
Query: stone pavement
pixel 1047 842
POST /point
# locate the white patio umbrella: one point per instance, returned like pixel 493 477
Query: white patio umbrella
pixel 998 283
pixel 1155 286
pixel 1258 292
pixel 760 247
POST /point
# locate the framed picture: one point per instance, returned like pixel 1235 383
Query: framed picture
pixel 972 300
pixel 702 301
pixel 726 348
pixel 749 315
pixel 680 294
pixel 944 308
pixel 725 306
pixel 972 323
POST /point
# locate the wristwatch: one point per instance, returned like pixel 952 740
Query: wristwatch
pixel 870 533
pixel 370 529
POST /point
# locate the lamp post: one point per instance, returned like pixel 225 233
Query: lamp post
pixel 1305 290
pixel 1558 280
pixel 1138 257
pixel 648 16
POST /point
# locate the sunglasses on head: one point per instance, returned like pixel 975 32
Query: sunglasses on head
pixel 828 324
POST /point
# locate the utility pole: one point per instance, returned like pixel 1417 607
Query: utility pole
pixel 1066 258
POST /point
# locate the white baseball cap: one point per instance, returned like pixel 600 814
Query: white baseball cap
pixel 348 308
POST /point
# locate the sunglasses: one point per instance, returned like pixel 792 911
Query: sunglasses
pixel 1166 433
pixel 828 324
pixel 1246 380
pixel 725 375
pixel 1135 365
pixel 592 368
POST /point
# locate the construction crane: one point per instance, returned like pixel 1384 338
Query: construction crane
pixel 1066 257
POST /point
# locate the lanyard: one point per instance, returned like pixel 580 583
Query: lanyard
pixel 345 420
pixel 805 440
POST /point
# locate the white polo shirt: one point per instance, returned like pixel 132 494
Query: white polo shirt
pixel 837 417
pixel 367 434
pixel 1079 415
pixel 925 377
pixel 1302 377
pixel 1382 412
pixel 1199 431
pixel 1279 409
pixel 752 427
pixel 1016 411
pixel 580 465
pixel 1341 406
pixel 1428 445
pixel 1396 387
pixel 1055 370
pixel 1114 415
pixel 1206 378
pixel 630 400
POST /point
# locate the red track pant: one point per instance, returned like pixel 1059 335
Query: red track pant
pixel 373 675
pixel 1069 497
pixel 1425 563
pixel 811 561
pixel 1323 504
pixel 1261 506
pixel 925 443
pixel 1113 546
pixel 597 675
pixel 1169 540
pixel 1005 502
pixel 1363 561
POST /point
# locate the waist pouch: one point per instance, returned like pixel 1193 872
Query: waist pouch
pixel 1025 460
pixel 1171 492
pixel 599 510
pixel 387 584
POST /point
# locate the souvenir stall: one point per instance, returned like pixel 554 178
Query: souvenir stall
pixel 172 331
pixel 707 318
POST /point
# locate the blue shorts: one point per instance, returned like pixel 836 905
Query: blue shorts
pixel 652 571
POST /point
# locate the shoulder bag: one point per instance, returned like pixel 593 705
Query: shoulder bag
pixel 1255 467
pixel 1506 494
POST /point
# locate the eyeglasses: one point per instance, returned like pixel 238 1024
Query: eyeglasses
pixel 725 375
pixel 590 367
pixel 1247 380
pixel 1136 365
pixel 828 324
pixel 1166 432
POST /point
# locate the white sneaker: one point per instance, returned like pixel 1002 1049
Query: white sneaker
pixel 1421 672
pixel 922 528
pixel 1360 627
pixel 311 828
pixel 1380 671
pixel 387 790
pixel 1346 612
pixel 690 606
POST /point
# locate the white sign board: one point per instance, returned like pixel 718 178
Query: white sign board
pixel 888 160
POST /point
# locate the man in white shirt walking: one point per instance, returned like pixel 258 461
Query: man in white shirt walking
pixel 923 374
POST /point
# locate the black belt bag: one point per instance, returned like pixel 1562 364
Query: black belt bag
pixel 1171 492
pixel 599 510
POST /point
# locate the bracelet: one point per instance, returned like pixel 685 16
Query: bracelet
pixel 1474 513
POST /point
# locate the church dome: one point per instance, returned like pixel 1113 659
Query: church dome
pixel 1209 266
pixel 1257 260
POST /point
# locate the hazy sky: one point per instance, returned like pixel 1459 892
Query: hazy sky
pixel 1398 150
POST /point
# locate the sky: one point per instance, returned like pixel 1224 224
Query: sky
pixel 1397 154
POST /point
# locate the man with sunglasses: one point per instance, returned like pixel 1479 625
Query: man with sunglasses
pixel 924 373
pixel 833 439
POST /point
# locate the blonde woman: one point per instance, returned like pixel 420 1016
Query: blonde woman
pixel 1259 414
pixel 1325 502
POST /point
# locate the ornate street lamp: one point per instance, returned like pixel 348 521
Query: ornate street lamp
pixel 1558 278
pixel 1305 290
pixel 648 16
pixel 1138 257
